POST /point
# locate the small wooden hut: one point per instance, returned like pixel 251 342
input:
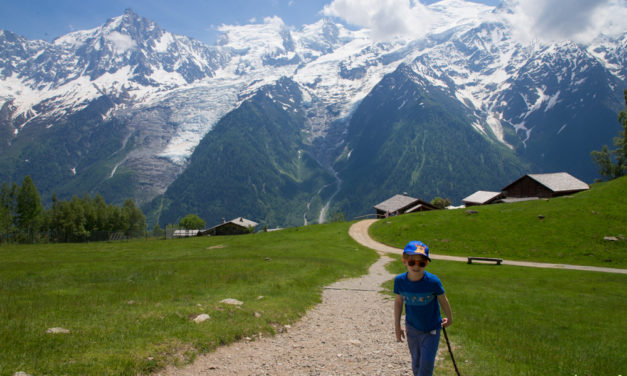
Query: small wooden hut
pixel 544 186
pixel 237 226
pixel 401 204
pixel 482 198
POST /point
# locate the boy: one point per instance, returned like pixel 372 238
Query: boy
pixel 418 289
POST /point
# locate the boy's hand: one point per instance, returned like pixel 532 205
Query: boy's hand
pixel 400 334
pixel 446 322
pixel 398 309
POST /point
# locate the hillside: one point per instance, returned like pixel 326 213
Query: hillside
pixel 571 231
pixel 254 163
pixel 410 136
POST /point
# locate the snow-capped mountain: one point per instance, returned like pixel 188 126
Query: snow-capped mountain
pixel 128 54
pixel 124 106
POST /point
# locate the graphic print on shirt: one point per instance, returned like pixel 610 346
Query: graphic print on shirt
pixel 417 299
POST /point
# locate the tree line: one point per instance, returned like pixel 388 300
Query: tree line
pixel 24 219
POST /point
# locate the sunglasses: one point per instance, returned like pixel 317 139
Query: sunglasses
pixel 422 264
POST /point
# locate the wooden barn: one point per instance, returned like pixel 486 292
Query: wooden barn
pixel 544 186
pixel 237 226
pixel 401 204
pixel 482 198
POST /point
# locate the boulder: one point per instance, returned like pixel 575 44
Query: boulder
pixel 57 331
pixel 231 301
pixel 202 317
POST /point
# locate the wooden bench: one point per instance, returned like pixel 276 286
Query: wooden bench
pixel 492 259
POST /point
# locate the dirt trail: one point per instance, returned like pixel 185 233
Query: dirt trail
pixel 350 333
pixel 359 232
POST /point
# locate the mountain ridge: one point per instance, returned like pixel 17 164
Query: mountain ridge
pixel 153 97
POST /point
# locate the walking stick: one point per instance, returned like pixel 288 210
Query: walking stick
pixel 450 350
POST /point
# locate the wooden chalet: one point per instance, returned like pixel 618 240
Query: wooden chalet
pixel 401 204
pixel 237 226
pixel 482 198
pixel 543 186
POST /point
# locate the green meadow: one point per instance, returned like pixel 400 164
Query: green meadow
pixel 129 305
pixel 525 321
pixel 566 230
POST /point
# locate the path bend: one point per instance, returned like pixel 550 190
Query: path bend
pixel 359 232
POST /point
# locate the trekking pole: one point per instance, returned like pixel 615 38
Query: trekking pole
pixel 450 350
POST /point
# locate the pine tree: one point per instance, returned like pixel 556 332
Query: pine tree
pixel 157 231
pixel 28 210
pixel 621 141
pixel 6 217
pixel 135 219
pixel 102 214
pixel 54 219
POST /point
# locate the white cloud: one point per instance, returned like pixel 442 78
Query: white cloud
pixel 274 20
pixel 545 20
pixel 121 42
pixel 386 19
pixel 577 20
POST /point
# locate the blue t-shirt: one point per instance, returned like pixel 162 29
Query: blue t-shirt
pixel 422 310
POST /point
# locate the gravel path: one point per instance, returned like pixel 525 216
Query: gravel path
pixel 350 333
pixel 359 232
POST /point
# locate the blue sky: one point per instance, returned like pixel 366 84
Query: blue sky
pixel 45 19
pixel 578 20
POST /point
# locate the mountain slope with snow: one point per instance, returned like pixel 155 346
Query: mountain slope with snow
pixel 126 104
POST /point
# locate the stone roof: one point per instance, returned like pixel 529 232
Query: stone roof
pixel 395 203
pixel 241 221
pixel 560 182
pixel 481 197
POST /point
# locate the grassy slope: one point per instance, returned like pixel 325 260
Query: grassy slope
pixel 571 232
pixel 509 320
pixel 525 321
pixel 128 305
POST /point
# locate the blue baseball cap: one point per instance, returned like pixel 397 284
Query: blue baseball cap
pixel 415 247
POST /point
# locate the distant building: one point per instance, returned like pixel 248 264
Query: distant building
pixel 185 233
pixel 236 226
pixel 530 187
pixel 482 198
pixel 543 186
pixel 401 204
